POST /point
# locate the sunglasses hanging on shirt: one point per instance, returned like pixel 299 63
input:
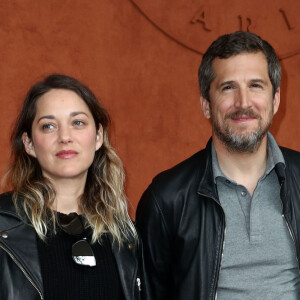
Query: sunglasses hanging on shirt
pixel 82 252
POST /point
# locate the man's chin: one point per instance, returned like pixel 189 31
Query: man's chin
pixel 241 141
pixel 243 130
pixel 244 143
pixel 242 136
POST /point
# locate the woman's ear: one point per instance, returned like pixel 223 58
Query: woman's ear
pixel 99 137
pixel 28 145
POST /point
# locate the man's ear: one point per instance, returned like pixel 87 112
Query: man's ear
pixel 28 145
pixel 99 137
pixel 205 105
pixel 276 101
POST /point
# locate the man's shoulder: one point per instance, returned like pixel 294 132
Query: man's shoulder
pixel 291 157
pixel 185 173
pixel 292 161
pixel 290 154
pixel 167 194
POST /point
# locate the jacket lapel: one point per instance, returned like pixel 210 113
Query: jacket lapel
pixel 126 260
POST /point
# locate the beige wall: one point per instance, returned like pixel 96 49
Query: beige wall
pixel 141 59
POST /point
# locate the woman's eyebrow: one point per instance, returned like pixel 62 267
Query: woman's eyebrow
pixel 75 113
pixel 52 117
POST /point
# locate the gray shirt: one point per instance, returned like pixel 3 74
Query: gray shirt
pixel 259 259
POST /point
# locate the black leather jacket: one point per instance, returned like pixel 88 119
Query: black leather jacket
pixel 182 226
pixel 19 264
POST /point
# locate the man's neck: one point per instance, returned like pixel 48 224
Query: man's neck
pixel 243 168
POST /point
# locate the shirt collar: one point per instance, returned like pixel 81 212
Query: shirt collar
pixel 274 157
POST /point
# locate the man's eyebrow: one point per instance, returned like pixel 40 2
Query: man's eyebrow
pixel 52 117
pixel 259 80
pixel 228 82
pixel 254 80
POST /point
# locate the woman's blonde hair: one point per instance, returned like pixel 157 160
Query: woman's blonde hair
pixel 104 202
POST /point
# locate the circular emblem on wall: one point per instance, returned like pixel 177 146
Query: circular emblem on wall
pixel 195 24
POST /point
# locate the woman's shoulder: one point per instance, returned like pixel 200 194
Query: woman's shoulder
pixel 9 218
pixel 6 202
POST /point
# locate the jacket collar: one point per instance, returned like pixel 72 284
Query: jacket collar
pixel 207 186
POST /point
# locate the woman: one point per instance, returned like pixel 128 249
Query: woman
pixel 64 230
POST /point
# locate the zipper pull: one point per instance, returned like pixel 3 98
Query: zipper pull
pixel 138 283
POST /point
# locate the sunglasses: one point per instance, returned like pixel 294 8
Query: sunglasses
pixel 82 252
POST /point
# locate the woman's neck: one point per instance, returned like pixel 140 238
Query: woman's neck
pixel 68 194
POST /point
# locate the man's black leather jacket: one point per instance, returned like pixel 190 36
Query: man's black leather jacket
pixel 182 226
pixel 19 263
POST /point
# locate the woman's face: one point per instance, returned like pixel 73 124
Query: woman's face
pixel 64 137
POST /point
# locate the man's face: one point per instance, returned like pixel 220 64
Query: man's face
pixel 241 104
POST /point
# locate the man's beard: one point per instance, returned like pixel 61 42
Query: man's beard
pixel 241 142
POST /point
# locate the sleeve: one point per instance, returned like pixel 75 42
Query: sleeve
pixel 152 227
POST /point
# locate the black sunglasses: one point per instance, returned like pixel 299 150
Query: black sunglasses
pixel 82 252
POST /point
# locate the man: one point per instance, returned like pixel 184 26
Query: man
pixel 225 223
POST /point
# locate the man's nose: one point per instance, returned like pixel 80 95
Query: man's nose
pixel 242 98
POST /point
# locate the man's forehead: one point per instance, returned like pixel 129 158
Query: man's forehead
pixel 245 63
pixel 244 54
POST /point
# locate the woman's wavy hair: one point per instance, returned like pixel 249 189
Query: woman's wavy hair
pixel 103 202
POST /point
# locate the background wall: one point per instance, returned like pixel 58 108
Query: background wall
pixel 141 59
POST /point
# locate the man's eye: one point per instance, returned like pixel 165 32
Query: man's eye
pixel 227 87
pixel 255 85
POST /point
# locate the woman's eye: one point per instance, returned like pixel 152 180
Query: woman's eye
pixel 47 126
pixel 78 123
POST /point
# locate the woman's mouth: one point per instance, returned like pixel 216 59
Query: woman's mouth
pixel 65 154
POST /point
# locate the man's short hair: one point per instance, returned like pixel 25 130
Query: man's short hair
pixel 233 44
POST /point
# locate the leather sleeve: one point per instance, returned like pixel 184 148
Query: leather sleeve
pixel 156 239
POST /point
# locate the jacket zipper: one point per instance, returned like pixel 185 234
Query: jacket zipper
pixel 290 231
pixel 22 269
pixel 138 283
pixel 223 241
pixel 293 238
